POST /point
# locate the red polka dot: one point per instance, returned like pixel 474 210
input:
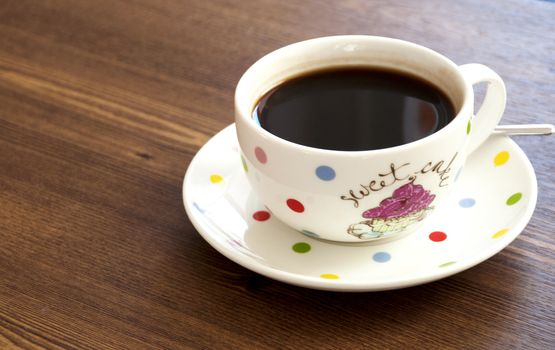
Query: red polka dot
pixel 438 236
pixel 295 205
pixel 260 155
pixel 261 215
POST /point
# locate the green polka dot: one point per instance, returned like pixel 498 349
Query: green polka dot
pixel 449 263
pixel 514 198
pixel 468 127
pixel 245 167
pixel 301 247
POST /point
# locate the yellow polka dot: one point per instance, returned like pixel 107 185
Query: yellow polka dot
pixel 329 276
pixel 501 158
pixel 500 233
pixel 449 263
pixel 215 178
pixel 245 166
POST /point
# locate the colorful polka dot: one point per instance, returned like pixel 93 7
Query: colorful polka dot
pixel 245 166
pixel 467 202
pixel 514 198
pixel 295 205
pixel 329 276
pixel 468 126
pixel 325 173
pixel 501 158
pixel 438 236
pixel 310 234
pixel 260 155
pixel 301 247
pixel 261 215
pixel 381 257
pixel 215 178
pixel 500 233
pixel 449 263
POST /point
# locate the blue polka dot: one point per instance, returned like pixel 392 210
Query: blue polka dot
pixel 381 257
pixel 310 234
pixel 467 202
pixel 458 174
pixel 197 207
pixel 255 117
pixel 325 173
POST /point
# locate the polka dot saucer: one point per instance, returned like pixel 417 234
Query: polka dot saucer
pixel 492 203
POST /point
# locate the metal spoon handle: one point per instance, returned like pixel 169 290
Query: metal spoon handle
pixel 525 129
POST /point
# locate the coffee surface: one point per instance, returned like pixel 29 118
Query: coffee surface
pixel 354 109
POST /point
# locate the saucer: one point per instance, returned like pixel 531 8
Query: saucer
pixel 494 199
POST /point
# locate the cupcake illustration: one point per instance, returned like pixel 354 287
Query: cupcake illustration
pixel 408 204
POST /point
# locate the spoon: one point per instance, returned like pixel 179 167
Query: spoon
pixel 525 129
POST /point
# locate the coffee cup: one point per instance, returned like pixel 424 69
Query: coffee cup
pixel 363 195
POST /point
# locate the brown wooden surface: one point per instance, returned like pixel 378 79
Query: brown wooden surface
pixel 104 103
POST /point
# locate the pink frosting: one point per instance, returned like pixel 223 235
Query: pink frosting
pixel 407 199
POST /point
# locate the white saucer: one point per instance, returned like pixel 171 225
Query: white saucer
pixel 481 217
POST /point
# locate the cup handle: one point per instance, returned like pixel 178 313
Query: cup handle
pixel 484 122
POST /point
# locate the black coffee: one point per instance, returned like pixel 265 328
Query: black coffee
pixel 354 109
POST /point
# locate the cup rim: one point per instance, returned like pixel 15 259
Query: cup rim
pixel 243 114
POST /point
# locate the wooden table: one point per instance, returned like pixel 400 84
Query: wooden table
pixel 104 103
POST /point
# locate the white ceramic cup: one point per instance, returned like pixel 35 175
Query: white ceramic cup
pixel 356 196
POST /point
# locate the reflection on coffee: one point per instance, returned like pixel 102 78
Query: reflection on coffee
pixel 354 109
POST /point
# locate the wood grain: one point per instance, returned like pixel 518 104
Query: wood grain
pixel 104 103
